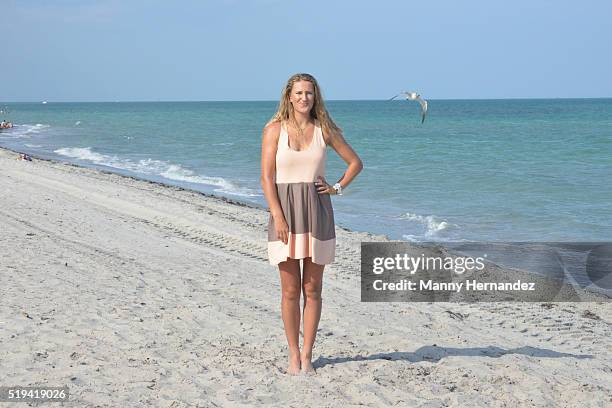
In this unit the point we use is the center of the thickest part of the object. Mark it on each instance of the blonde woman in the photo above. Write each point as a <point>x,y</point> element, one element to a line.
<point>301,223</point>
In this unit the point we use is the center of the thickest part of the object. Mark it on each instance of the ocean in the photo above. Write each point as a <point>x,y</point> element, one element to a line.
<point>476,170</point>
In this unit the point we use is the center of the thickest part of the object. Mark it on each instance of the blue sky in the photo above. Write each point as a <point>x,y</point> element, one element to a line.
<point>110,50</point>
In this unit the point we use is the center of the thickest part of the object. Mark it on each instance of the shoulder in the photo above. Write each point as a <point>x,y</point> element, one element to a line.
<point>332,137</point>
<point>271,132</point>
<point>273,126</point>
<point>272,129</point>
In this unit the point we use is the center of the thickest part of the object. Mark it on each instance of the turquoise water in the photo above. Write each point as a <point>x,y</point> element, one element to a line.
<point>502,170</point>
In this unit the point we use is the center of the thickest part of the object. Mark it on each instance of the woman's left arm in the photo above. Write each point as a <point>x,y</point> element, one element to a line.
<point>355,165</point>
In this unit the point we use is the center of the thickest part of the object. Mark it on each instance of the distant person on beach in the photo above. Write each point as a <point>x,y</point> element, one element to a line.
<point>301,225</point>
<point>5,125</point>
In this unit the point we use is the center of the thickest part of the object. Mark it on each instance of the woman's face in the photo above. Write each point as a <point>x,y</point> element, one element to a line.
<point>302,96</point>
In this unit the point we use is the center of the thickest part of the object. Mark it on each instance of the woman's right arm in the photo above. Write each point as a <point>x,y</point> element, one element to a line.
<point>269,145</point>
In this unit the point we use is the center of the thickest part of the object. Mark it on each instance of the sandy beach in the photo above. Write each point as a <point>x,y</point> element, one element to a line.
<point>134,293</point>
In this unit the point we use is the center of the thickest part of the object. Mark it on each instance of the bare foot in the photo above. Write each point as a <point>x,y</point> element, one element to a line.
<point>307,367</point>
<point>294,365</point>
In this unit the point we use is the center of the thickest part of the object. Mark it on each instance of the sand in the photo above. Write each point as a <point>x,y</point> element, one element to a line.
<point>133,293</point>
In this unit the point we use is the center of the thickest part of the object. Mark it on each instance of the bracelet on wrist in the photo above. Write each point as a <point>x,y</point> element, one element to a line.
<point>338,188</point>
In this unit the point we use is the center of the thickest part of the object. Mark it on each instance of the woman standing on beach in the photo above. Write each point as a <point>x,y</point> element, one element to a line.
<point>301,223</point>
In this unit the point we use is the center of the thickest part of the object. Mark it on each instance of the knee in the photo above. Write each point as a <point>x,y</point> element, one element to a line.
<point>312,291</point>
<point>291,293</point>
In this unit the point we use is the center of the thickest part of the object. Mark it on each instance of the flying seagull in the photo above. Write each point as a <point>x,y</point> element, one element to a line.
<point>413,96</point>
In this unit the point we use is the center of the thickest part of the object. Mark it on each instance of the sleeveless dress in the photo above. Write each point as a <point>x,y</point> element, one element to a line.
<point>309,215</point>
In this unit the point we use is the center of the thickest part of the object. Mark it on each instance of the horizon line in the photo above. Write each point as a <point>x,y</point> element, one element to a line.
<point>276,100</point>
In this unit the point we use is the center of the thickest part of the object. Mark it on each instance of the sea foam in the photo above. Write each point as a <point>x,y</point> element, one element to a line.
<point>24,131</point>
<point>170,171</point>
<point>434,227</point>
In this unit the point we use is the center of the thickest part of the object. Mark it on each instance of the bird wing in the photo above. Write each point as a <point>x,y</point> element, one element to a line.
<point>423,104</point>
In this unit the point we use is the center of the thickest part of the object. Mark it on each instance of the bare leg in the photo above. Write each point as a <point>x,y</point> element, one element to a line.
<point>290,310</point>
<point>312,285</point>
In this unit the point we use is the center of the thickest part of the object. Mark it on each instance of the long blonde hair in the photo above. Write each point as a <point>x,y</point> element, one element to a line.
<point>318,111</point>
